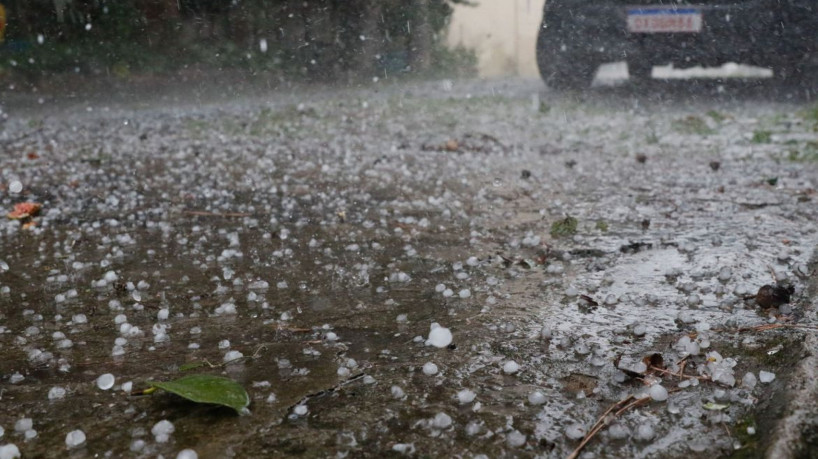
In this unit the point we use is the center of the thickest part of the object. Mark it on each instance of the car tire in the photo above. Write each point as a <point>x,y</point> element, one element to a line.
<point>562,62</point>
<point>640,71</point>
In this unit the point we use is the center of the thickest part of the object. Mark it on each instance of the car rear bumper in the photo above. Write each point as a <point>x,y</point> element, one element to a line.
<point>744,31</point>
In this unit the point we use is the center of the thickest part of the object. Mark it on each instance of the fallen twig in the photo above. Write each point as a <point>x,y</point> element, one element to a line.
<point>602,422</point>
<point>202,213</point>
<point>765,327</point>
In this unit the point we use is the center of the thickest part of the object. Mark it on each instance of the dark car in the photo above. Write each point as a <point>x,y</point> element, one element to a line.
<point>578,35</point>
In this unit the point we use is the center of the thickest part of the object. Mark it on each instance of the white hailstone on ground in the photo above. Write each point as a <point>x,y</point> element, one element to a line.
<point>106,381</point>
<point>546,332</point>
<point>343,372</point>
<point>439,288</point>
<point>56,393</point>
<point>645,432</point>
<point>15,187</point>
<point>187,454</point>
<point>536,398</point>
<point>300,410</point>
<point>439,337</point>
<point>766,377</point>
<point>465,293</point>
<point>448,293</point>
<point>397,392</point>
<point>9,451</point>
<point>163,314</point>
<point>404,448</point>
<point>466,396</point>
<point>224,344</point>
<point>515,439</point>
<point>16,378</point>
<point>658,393</point>
<point>574,432</point>
<point>162,430</point>
<point>126,387</point>
<point>725,274</point>
<point>618,431</point>
<point>749,380</point>
<point>429,368</point>
<point>232,355</point>
<point>23,425</point>
<point>74,438</point>
<point>571,292</point>
<point>639,330</point>
<point>137,445</point>
<point>402,318</point>
<point>693,299</point>
<point>441,421</point>
<point>511,367</point>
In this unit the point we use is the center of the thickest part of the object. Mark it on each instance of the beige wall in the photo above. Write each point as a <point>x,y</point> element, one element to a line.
<point>503,33</point>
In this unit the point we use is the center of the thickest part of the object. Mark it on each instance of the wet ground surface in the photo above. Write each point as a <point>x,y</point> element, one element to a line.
<point>320,233</point>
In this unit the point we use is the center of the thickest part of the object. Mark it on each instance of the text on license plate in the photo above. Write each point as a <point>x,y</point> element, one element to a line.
<point>664,20</point>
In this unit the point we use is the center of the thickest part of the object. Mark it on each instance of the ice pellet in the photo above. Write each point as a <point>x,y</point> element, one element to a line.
<point>232,355</point>
<point>9,451</point>
<point>441,421</point>
<point>397,392</point>
<point>15,187</point>
<point>74,438</point>
<point>466,396</point>
<point>56,393</point>
<point>511,367</point>
<point>658,393</point>
<point>187,454</point>
<point>749,380</point>
<point>618,431</point>
<point>574,432</point>
<point>429,368</point>
<point>645,432</point>
<point>766,376</point>
<point>515,439</point>
<point>536,398</point>
<point>106,381</point>
<point>162,430</point>
<point>23,424</point>
<point>439,337</point>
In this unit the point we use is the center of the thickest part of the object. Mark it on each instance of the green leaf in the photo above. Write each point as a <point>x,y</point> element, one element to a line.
<point>191,366</point>
<point>208,389</point>
<point>564,227</point>
<point>714,406</point>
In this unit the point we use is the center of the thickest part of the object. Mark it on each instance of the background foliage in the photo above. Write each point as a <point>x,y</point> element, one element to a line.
<point>313,39</point>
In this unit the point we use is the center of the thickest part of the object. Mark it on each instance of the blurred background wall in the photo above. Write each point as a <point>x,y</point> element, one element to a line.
<point>503,34</point>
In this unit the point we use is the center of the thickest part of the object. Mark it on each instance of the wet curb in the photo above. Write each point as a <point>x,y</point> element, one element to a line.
<point>790,437</point>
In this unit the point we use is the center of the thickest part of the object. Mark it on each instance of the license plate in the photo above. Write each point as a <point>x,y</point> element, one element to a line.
<point>664,20</point>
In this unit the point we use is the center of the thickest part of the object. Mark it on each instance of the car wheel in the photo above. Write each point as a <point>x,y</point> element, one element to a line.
<point>563,63</point>
<point>640,70</point>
